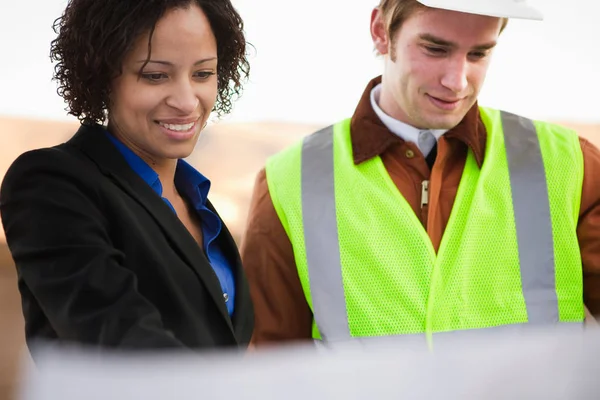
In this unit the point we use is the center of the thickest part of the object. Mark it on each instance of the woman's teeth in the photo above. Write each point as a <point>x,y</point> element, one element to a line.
<point>179,128</point>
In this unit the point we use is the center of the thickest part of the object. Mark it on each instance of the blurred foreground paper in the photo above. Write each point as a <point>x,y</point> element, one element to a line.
<point>535,365</point>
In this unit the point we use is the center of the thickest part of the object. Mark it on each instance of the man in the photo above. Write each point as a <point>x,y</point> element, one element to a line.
<point>425,212</point>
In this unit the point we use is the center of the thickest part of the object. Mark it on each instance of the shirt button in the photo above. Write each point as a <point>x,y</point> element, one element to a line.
<point>226,297</point>
<point>409,153</point>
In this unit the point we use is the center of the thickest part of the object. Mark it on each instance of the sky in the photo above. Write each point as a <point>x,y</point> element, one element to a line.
<point>312,59</point>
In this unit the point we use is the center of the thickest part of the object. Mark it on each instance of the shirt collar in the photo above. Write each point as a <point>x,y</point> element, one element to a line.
<point>404,131</point>
<point>139,166</point>
<point>192,182</point>
<point>371,138</point>
<point>187,178</point>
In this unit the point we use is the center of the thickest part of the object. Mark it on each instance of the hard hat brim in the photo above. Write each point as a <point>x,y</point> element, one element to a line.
<point>492,8</point>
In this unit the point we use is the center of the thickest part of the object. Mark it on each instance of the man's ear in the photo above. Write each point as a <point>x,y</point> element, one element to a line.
<point>379,32</point>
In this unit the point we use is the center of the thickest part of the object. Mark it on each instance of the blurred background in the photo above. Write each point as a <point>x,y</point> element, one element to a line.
<point>307,71</point>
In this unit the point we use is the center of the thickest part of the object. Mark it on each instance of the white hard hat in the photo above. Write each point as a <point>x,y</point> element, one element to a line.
<point>493,8</point>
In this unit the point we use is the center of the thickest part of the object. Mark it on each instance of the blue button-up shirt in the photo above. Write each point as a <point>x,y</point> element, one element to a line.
<point>195,186</point>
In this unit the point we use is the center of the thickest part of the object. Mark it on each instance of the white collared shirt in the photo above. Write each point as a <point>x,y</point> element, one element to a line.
<point>425,139</point>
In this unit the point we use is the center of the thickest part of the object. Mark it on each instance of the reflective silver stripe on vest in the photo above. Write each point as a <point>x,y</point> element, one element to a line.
<point>532,220</point>
<point>323,255</point>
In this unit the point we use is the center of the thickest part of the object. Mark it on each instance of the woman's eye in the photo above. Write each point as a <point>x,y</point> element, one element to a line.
<point>203,74</point>
<point>154,77</point>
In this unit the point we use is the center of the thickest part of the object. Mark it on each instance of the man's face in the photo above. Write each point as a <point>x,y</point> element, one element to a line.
<point>435,65</point>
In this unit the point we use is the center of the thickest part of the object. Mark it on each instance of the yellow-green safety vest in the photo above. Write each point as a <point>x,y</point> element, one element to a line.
<point>509,255</point>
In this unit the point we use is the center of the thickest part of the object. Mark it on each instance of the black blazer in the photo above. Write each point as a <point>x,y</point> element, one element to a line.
<point>103,260</point>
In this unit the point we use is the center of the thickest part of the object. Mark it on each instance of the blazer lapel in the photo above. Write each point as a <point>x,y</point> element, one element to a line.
<point>243,316</point>
<point>92,141</point>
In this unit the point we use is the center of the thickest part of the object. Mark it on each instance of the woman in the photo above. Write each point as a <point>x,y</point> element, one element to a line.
<point>114,240</point>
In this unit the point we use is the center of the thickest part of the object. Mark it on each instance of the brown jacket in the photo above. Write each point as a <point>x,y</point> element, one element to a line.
<point>282,312</point>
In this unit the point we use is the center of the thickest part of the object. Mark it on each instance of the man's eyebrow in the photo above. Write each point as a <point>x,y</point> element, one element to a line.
<point>445,43</point>
<point>485,46</point>
<point>436,40</point>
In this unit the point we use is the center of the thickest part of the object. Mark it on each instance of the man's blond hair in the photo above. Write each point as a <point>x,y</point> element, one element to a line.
<point>396,12</point>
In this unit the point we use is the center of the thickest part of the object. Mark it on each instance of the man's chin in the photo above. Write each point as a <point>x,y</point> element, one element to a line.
<point>446,121</point>
<point>440,123</point>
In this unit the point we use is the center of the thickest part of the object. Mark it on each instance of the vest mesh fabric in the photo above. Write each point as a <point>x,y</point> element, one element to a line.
<point>393,281</point>
<point>563,162</point>
<point>386,291</point>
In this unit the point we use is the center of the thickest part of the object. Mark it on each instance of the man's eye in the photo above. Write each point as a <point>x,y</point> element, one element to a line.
<point>435,50</point>
<point>478,55</point>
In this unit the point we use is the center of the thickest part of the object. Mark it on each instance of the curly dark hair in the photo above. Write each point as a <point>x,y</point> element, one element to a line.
<point>94,37</point>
